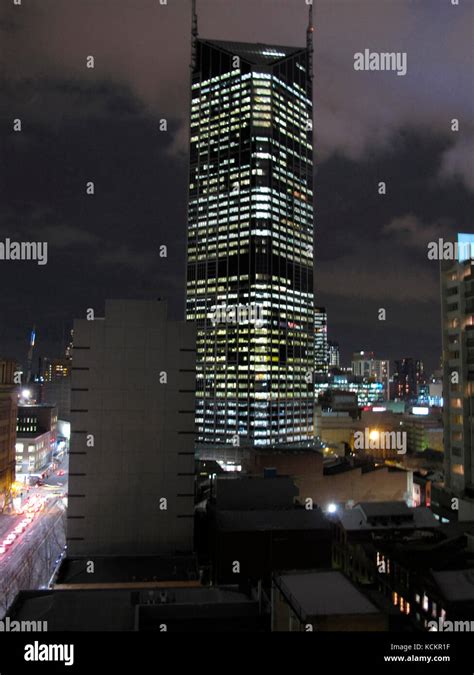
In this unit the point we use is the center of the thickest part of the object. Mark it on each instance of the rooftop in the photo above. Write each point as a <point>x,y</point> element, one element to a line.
<point>386,515</point>
<point>123,569</point>
<point>255,53</point>
<point>224,608</point>
<point>456,585</point>
<point>275,519</point>
<point>323,593</point>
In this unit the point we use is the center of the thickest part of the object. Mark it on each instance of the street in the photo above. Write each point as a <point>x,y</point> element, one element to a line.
<point>30,559</point>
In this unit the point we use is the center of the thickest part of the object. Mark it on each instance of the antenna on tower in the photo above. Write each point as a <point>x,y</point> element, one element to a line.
<point>30,354</point>
<point>194,35</point>
<point>309,40</point>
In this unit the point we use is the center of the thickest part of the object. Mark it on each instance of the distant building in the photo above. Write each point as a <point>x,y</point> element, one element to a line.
<point>321,354</point>
<point>407,378</point>
<point>8,415</point>
<point>457,298</point>
<point>364,364</point>
<point>367,391</point>
<point>338,400</point>
<point>338,424</point>
<point>55,369</point>
<point>131,468</point>
<point>334,481</point>
<point>333,354</point>
<point>36,433</point>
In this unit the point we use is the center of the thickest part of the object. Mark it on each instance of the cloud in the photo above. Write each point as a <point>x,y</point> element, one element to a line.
<point>410,231</point>
<point>124,257</point>
<point>67,236</point>
<point>458,161</point>
<point>145,48</point>
<point>378,273</point>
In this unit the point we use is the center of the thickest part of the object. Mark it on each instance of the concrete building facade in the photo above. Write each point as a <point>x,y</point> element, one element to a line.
<point>131,479</point>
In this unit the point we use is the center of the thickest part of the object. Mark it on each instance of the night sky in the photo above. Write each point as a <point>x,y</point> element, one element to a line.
<point>102,125</point>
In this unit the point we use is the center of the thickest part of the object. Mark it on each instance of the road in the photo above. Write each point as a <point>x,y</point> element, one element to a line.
<point>29,562</point>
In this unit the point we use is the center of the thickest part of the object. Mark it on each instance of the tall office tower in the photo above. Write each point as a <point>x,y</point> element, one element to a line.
<point>8,414</point>
<point>250,240</point>
<point>321,358</point>
<point>408,375</point>
<point>131,479</point>
<point>333,354</point>
<point>364,364</point>
<point>457,303</point>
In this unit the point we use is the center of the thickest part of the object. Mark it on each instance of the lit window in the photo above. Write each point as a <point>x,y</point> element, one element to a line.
<point>426,602</point>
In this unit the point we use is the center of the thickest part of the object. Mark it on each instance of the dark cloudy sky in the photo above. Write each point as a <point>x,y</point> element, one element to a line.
<point>101,125</point>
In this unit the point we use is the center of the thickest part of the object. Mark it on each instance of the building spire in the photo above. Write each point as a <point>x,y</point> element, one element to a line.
<point>309,39</point>
<point>194,34</point>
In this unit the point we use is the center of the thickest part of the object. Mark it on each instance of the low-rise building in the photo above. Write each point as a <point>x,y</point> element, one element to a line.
<point>322,600</point>
<point>36,437</point>
<point>8,415</point>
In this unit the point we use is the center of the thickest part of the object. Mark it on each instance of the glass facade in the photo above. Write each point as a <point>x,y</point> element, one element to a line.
<point>250,241</point>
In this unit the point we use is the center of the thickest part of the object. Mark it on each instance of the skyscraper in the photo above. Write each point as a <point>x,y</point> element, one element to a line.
<point>457,303</point>
<point>250,240</point>
<point>321,356</point>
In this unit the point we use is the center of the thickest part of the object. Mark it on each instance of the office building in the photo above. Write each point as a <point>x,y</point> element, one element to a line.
<point>364,364</point>
<point>36,436</point>
<point>250,240</point>
<point>368,391</point>
<point>131,469</point>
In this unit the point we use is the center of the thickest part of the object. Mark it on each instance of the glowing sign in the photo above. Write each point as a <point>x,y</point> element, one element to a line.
<point>420,410</point>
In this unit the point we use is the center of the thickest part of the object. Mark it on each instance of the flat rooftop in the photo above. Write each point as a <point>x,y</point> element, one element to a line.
<point>127,569</point>
<point>386,515</point>
<point>323,593</point>
<point>272,519</point>
<point>128,610</point>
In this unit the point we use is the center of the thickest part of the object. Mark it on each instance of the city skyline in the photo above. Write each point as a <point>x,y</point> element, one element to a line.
<point>234,251</point>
